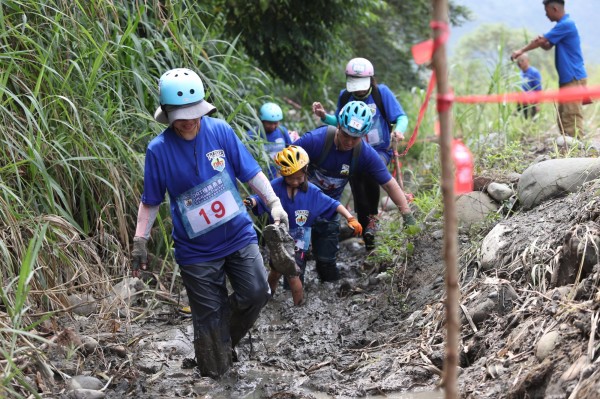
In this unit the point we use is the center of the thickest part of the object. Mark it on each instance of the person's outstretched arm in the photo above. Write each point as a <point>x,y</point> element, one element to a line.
<point>326,118</point>
<point>539,41</point>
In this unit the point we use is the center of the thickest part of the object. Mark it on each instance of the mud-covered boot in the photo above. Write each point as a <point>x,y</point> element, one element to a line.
<point>327,271</point>
<point>281,249</point>
<point>213,356</point>
<point>369,234</point>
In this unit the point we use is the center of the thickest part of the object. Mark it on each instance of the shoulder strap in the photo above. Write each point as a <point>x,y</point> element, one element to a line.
<point>379,104</point>
<point>328,143</point>
<point>344,98</point>
<point>355,156</point>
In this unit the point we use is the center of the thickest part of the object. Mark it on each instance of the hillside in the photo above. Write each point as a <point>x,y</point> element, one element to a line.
<point>530,15</point>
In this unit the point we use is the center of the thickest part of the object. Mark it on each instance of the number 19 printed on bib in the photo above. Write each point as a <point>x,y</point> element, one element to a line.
<point>209,205</point>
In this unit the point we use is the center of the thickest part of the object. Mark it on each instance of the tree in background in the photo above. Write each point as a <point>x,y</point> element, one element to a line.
<point>297,40</point>
<point>388,41</point>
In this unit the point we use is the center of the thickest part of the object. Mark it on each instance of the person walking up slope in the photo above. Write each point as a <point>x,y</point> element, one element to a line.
<point>305,203</point>
<point>387,111</point>
<point>336,154</point>
<point>276,135</point>
<point>196,160</point>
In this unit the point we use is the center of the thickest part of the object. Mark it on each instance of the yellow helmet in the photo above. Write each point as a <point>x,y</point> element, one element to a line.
<point>291,159</point>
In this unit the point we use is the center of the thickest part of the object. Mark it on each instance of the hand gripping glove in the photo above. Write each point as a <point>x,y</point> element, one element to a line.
<point>248,203</point>
<point>354,225</point>
<point>278,214</point>
<point>139,256</point>
<point>409,219</point>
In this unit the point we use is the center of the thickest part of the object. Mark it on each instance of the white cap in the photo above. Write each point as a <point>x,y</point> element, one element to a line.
<point>355,83</point>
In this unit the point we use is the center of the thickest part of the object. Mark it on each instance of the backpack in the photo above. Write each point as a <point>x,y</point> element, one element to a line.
<point>329,143</point>
<point>345,97</point>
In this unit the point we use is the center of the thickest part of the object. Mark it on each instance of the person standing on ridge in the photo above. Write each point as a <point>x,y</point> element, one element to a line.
<point>336,154</point>
<point>387,111</point>
<point>275,136</point>
<point>196,160</point>
<point>568,59</point>
<point>304,203</point>
<point>531,81</point>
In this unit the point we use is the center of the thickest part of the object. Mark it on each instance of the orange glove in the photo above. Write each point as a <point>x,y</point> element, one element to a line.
<point>354,225</point>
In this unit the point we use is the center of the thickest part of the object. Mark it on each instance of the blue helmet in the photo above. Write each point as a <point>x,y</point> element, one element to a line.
<point>270,112</point>
<point>356,118</point>
<point>180,86</point>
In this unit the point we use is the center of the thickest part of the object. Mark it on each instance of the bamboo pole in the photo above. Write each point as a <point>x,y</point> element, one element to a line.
<point>440,13</point>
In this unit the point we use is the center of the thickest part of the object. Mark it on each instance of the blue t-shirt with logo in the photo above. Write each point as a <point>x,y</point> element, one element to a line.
<point>275,141</point>
<point>209,218</point>
<point>567,54</point>
<point>333,174</point>
<point>379,136</point>
<point>302,210</point>
<point>532,79</point>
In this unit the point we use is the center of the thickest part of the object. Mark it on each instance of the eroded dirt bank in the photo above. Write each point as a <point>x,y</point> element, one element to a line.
<point>381,333</point>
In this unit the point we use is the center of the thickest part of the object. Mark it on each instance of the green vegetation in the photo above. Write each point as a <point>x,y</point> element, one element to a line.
<point>77,94</point>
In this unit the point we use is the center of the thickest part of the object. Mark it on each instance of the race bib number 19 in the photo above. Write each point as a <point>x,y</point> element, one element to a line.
<point>209,205</point>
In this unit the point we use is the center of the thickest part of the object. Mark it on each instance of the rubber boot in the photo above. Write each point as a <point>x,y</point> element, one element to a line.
<point>369,233</point>
<point>273,281</point>
<point>327,271</point>
<point>297,290</point>
<point>213,355</point>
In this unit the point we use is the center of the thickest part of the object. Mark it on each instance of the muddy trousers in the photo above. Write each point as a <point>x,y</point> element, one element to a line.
<point>365,191</point>
<point>570,115</point>
<point>325,238</point>
<point>221,321</point>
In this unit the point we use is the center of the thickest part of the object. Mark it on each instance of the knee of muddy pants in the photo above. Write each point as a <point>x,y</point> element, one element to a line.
<point>325,239</point>
<point>327,271</point>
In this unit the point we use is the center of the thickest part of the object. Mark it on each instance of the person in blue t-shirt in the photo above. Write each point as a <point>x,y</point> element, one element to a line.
<point>336,154</point>
<point>274,135</point>
<point>531,81</point>
<point>196,160</point>
<point>568,59</point>
<point>305,203</point>
<point>387,111</point>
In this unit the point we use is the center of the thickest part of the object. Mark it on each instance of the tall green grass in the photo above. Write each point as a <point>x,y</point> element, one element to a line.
<point>77,92</point>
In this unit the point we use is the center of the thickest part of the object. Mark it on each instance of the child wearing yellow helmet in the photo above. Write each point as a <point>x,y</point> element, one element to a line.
<point>305,203</point>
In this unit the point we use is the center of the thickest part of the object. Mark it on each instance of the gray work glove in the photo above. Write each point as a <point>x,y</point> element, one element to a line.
<point>278,214</point>
<point>139,256</point>
<point>409,219</point>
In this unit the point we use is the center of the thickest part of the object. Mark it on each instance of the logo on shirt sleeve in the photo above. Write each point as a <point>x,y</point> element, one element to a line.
<point>217,159</point>
<point>301,217</point>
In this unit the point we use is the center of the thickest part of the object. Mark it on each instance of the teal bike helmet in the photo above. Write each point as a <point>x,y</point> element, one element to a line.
<point>181,96</point>
<point>270,112</point>
<point>180,86</point>
<point>356,118</point>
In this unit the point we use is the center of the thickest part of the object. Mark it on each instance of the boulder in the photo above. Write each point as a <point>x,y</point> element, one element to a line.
<point>83,304</point>
<point>474,207</point>
<point>553,178</point>
<point>492,244</point>
<point>499,191</point>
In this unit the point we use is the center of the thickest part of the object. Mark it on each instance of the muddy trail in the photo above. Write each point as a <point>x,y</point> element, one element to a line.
<point>379,332</point>
<point>352,338</point>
